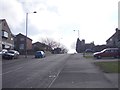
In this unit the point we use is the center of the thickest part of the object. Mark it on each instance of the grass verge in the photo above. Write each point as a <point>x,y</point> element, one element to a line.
<point>88,55</point>
<point>109,67</point>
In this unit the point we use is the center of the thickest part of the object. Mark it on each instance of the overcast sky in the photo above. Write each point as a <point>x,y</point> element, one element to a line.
<point>96,20</point>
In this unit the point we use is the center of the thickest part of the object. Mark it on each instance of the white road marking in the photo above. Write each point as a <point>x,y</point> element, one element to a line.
<point>54,79</point>
<point>56,76</point>
<point>11,71</point>
<point>16,69</point>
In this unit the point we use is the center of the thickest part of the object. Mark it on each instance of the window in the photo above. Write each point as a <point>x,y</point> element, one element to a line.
<point>11,38</point>
<point>5,34</point>
<point>112,51</point>
<point>21,46</point>
<point>4,24</point>
<point>21,39</point>
<point>107,51</point>
<point>111,39</point>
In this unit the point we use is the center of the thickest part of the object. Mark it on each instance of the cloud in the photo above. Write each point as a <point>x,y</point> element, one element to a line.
<point>12,12</point>
<point>95,19</point>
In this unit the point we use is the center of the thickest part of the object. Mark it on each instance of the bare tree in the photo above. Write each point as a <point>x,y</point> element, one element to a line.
<point>54,44</point>
<point>50,42</point>
<point>64,49</point>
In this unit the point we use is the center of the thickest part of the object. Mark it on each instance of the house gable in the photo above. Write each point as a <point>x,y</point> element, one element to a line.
<point>7,36</point>
<point>114,40</point>
<point>5,26</point>
<point>21,35</point>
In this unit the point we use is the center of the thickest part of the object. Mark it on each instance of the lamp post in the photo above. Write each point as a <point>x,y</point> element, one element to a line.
<point>26,33</point>
<point>78,32</point>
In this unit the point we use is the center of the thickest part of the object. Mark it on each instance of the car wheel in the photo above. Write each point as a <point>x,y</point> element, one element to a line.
<point>99,57</point>
<point>12,57</point>
<point>116,56</point>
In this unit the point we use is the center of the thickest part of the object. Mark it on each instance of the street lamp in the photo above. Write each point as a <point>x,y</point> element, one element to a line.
<point>78,32</point>
<point>26,33</point>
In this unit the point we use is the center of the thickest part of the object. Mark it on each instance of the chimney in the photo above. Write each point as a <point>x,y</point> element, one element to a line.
<point>116,29</point>
<point>83,41</point>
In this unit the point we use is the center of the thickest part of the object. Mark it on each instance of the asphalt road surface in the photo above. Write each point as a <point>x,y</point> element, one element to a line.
<point>56,71</point>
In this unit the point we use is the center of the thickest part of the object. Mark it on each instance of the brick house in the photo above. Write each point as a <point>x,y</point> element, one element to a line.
<point>41,46</point>
<point>7,36</point>
<point>20,43</point>
<point>114,40</point>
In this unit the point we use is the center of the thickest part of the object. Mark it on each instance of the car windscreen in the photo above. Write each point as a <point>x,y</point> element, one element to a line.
<point>38,53</point>
<point>10,52</point>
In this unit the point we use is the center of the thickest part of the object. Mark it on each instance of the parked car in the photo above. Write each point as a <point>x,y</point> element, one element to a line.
<point>89,51</point>
<point>3,51</point>
<point>16,53</point>
<point>7,55</point>
<point>39,54</point>
<point>108,52</point>
<point>11,54</point>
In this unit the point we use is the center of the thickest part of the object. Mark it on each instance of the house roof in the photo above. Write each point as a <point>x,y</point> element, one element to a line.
<point>23,36</point>
<point>38,43</point>
<point>4,21</point>
<point>116,33</point>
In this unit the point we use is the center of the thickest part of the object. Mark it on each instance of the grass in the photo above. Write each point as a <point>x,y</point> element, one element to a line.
<point>109,67</point>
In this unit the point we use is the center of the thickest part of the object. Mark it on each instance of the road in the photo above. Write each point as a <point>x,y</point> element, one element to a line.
<point>32,73</point>
<point>56,71</point>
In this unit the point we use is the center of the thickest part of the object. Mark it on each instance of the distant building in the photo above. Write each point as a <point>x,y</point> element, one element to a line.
<point>114,40</point>
<point>20,43</point>
<point>89,46</point>
<point>98,48</point>
<point>41,46</point>
<point>81,46</point>
<point>57,51</point>
<point>7,36</point>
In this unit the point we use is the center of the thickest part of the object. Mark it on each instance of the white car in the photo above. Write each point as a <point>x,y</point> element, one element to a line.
<point>3,51</point>
<point>15,53</point>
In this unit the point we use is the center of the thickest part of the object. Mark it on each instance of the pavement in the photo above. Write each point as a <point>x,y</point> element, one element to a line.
<point>80,72</point>
<point>113,78</point>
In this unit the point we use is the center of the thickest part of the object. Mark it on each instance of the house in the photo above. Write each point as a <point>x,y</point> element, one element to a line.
<point>7,36</point>
<point>98,48</point>
<point>114,40</point>
<point>41,46</point>
<point>20,43</point>
<point>57,51</point>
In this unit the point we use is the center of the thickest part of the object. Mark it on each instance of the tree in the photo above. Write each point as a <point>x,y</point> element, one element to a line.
<point>78,45</point>
<point>63,49</point>
<point>54,44</point>
<point>50,42</point>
